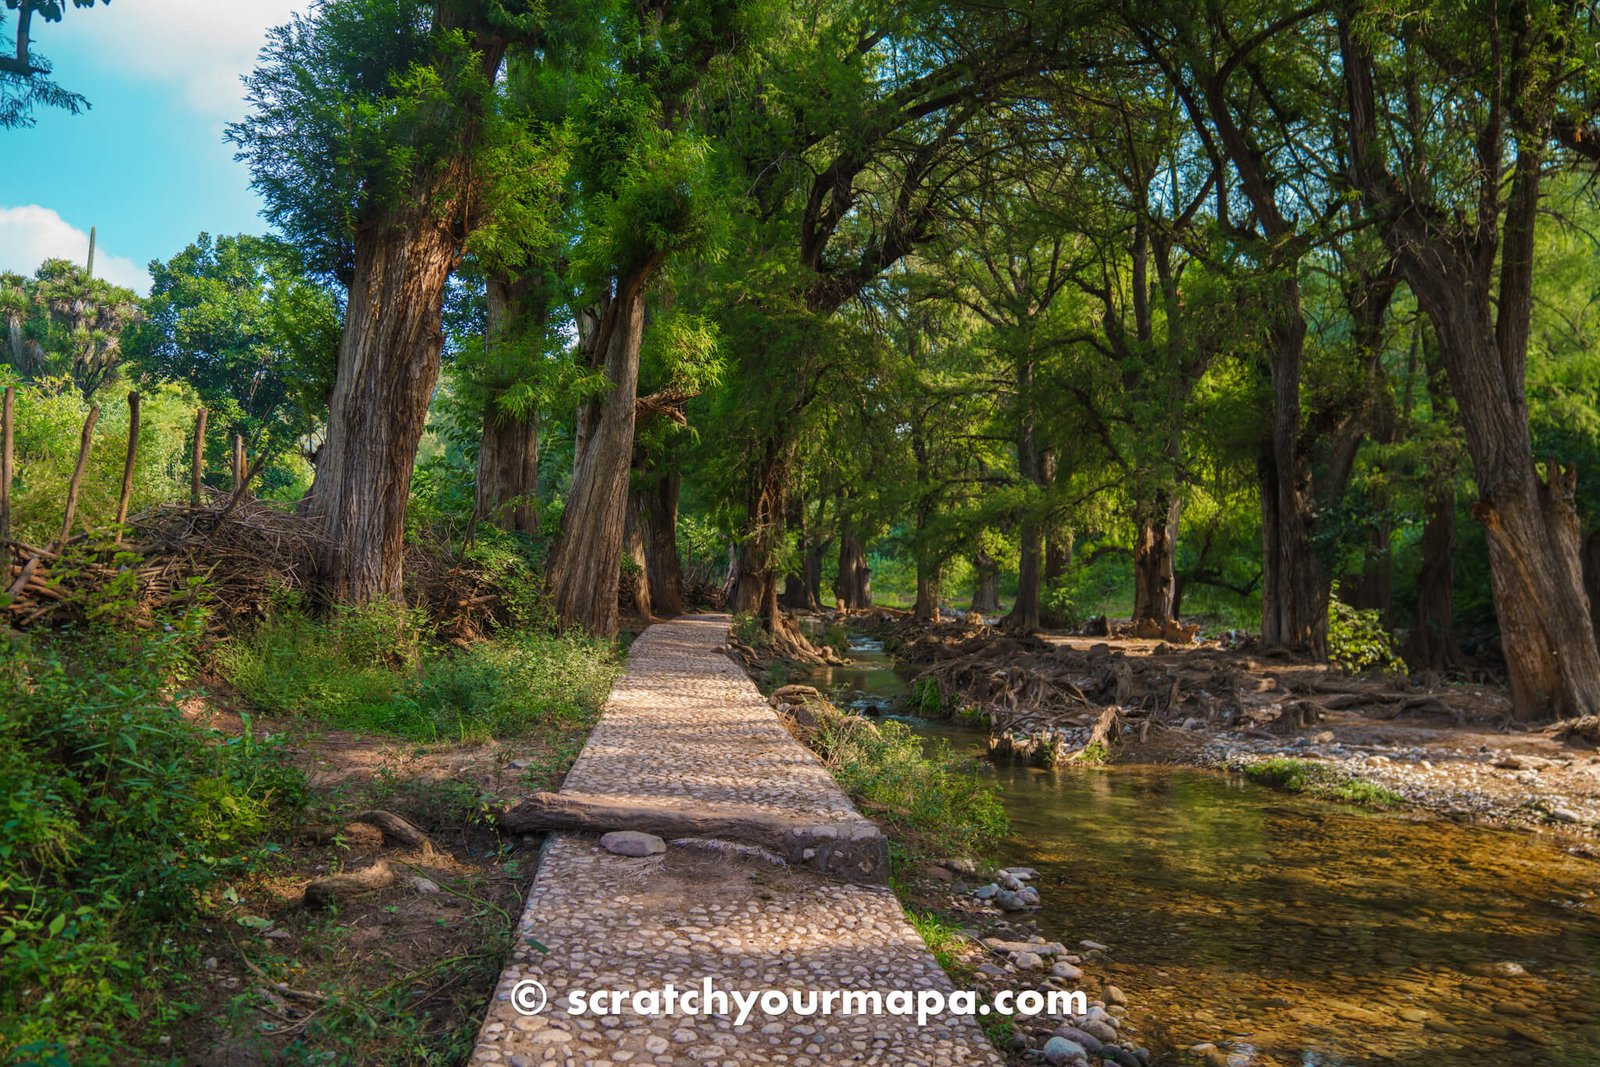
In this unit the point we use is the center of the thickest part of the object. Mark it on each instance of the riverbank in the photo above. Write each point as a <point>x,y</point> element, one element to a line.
<point>1443,749</point>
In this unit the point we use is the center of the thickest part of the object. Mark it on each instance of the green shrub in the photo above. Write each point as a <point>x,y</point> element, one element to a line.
<point>372,670</point>
<point>931,797</point>
<point>1315,779</point>
<point>1357,639</point>
<point>119,814</point>
<point>747,629</point>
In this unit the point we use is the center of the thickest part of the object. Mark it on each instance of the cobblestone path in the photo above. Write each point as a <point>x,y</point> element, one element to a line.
<point>685,723</point>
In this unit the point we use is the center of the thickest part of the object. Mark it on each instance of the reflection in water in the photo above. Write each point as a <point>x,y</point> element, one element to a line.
<point>1297,931</point>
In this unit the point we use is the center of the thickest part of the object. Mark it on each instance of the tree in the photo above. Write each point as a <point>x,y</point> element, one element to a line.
<point>1456,196</point>
<point>64,322</point>
<point>373,137</point>
<point>25,75</point>
<point>238,318</point>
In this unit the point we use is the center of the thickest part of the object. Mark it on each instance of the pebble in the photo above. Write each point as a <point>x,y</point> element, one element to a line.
<point>1115,995</point>
<point>1093,946</point>
<point>632,843</point>
<point>424,885</point>
<point>1067,971</point>
<point>1565,815</point>
<point>1028,961</point>
<point>1060,1050</point>
<point>986,892</point>
<point>1088,1041</point>
<point>1006,900</point>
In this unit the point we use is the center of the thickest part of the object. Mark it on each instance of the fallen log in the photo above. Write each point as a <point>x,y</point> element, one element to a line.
<point>853,850</point>
<point>394,828</point>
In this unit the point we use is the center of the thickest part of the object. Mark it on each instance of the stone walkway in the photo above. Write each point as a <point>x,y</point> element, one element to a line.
<point>685,723</point>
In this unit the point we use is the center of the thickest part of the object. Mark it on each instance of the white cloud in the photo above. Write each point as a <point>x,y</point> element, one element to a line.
<point>200,46</point>
<point>32,234</point>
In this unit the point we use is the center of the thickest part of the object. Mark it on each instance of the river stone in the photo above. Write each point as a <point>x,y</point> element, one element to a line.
<point>1120,1056</point>
<point>1027,961</point>
<point>986,892</point>
<point>1059,1050</point>
<point>1509,969</point>
<point>1029,895</point>
<point>1093,946</point>
<point>1067,971</point>
<point>1087,1040</point>
<point>1565,815</point>
<point>1115,995</point>
<point>1006,900</point>
<point>632,843</point>
<point>1009,881</point>
<point>1024,873</point>
<point>424,885</point>
<point>1098,1028</point>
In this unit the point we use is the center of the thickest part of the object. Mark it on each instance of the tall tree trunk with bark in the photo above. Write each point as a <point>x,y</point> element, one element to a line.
<point>388,364</point>
<point>659,526</point>
<point>634,589</point>
<point>1033,465</point>
<point>854,583</point>
<point>508,451</point>
<point>1155,550</point>
<point>586,565</point>
<point>985,584</point>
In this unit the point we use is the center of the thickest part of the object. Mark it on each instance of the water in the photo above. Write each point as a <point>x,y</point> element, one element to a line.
<point>1292,930</point>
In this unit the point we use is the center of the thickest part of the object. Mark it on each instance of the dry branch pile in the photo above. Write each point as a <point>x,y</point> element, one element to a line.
<point>246,554</point>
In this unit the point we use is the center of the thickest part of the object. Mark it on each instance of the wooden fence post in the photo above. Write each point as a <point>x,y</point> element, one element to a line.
<point>199,461</point>
<point>127,467</point>
<point>77,474</point>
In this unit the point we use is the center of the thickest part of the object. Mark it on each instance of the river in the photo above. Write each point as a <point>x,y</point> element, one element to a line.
<point>1293,931</point>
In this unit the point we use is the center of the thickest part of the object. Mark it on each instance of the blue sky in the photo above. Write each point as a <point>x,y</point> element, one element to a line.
<point>146,166</point>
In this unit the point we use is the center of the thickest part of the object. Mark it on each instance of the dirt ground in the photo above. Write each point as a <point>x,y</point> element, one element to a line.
<point>399,974</point>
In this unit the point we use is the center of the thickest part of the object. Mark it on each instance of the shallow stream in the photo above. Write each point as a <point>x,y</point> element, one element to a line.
<point>1293,931</point>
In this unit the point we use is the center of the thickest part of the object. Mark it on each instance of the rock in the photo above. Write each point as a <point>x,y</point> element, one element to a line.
<point>1009,881</point>
<point>1204,1048</point>
<point>632,843</point>
<point>1027,961</point>
<point>1067,971</point>
<point>1091,1043</point>
<point>1023,873</point>
<point>1029,896</point>
<point>1006,900</point>
<point>1059,1050</point>
<point>424,885</point>
<point>960,865</point>
<point>1099,1029</point>
<point>210,963</point>
<point>1566,815</point>
<point>986,892</point>
<point>1508,969</point>
<point>1115,995</point>
<point>1120,1056</point>
<point>990,969</point>
<point>277,935</point>
<point>1412,1015</point>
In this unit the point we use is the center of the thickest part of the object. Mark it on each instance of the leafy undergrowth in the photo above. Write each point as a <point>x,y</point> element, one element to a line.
<point>373,669</point>
<point>151,864</point>
<point>928,798</point>
<point>1313,779</point>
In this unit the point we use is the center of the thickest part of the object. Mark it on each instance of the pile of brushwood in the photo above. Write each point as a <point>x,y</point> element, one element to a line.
<point>236,556</point>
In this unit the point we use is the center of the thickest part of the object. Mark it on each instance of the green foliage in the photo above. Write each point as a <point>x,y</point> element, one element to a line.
<point>119,815</point>
<point>1318,780</point>
<point>747,629</point>
<point>943,938</point>
<point>238,319</point>
<point>931,796</point>
<point>1357,639</point>
<point>49,425</point>
<point>63,323</point>
<point>373,669</point>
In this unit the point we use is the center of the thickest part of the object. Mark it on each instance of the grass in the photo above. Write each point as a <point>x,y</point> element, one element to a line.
<point>373,671</point>
<point>942,939</point>
<point>930,800</point>
<point>1317,780</point>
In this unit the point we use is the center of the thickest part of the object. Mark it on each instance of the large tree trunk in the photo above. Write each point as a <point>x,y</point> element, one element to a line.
<point>1155,551</point>
<point>926,608</point>
<point>387,367</point>
<point>1432,644</point>
<point>854,583</point>
<point>586,564</point>
<point>985,584</point>
<point>659,526</point>
<point>634,589</point>
<point>1024,614</point>
<point>1294,591</point>
<point>508,451</point>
